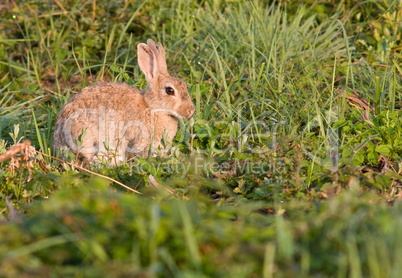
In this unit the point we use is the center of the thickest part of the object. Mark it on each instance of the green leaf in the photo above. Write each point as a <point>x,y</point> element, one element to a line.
<point>383,180</point>
<point>346,153</point>
<point>383,149</point>
<point>115,68</point>
<point>373,157</point>
<point>358,159</point>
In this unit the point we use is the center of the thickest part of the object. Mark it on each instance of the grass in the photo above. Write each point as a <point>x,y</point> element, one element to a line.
<point>291,165</point>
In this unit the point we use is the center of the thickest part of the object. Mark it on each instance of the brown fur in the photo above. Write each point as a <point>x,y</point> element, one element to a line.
<point>123,117</point>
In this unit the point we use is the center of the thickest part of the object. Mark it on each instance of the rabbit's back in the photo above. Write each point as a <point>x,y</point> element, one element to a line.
<point>111,95</point>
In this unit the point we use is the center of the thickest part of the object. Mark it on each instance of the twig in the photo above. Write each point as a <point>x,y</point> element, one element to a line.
<point>364,105</point>
<point>46,15</point>
<point>152,181</point>
<point>91,172</point>
<point>23,147</point>
<point>60,5</point>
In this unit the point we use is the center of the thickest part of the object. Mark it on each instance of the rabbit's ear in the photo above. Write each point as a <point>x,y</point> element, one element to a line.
<point>160,56</point>
<point>162,59</point>
<point>147,62</point>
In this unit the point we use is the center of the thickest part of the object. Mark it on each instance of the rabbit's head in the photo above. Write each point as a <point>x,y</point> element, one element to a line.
<point>165,94</point>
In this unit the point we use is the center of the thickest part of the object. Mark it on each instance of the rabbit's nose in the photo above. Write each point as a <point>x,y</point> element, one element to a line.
<point>190,111</point>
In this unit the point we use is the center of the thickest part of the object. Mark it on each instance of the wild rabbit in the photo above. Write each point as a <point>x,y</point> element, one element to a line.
<point>122,117</point>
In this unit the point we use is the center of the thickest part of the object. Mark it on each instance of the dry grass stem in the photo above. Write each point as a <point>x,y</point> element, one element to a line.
<point>27,152</point>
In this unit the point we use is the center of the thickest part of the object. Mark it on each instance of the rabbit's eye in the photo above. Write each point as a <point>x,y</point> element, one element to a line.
<point>169,91</point>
